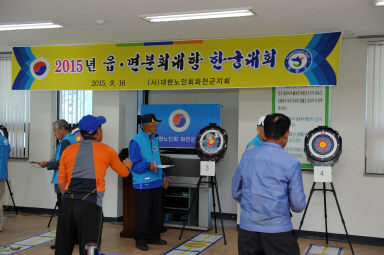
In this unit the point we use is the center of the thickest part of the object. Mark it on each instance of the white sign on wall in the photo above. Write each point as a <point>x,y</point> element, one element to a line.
<point>308,108</point>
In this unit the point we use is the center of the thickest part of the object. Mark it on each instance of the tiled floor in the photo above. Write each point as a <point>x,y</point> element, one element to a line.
<point>22,226</point>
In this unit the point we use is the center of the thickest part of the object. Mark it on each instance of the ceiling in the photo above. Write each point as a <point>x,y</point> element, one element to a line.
<point>122,23</point>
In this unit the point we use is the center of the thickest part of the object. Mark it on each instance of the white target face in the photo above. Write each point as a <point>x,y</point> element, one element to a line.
<point>211,141</point>
<point>323,144</point>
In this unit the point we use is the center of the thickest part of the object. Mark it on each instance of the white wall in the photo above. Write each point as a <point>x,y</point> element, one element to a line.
<point>117,107</point>
<point>128,117</point>
<point>106,103</point>
<point>360,196</point>
<point>228,98</point>
<point>30,184</point>
<point>127,128</point>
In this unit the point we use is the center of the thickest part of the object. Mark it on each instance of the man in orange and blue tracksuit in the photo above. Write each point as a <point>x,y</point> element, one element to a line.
<point>81,180</point>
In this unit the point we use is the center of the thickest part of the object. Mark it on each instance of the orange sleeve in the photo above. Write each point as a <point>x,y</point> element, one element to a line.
<point>116,164</point>
<point>104,156</point>
<point>62,174</point>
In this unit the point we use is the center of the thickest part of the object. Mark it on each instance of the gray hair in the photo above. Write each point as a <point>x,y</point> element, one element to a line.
<point>62,124</point>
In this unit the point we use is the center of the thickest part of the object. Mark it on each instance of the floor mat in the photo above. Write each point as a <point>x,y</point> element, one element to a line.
<point>28,243</point>
<point>195,245</point>
<point>314,249</point>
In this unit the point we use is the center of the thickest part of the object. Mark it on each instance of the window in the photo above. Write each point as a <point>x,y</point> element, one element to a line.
<point>14,110</point>
<point>374,151</point>
<point>74,104</point>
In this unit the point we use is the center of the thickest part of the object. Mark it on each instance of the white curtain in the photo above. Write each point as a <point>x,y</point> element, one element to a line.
<point>375,109</point>
<point>14,111</point>
<point>74,104</point>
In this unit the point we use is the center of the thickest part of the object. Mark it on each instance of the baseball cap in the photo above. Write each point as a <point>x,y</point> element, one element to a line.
<point>90,123</point>
<point>260,123</point>
<point>149,117</point>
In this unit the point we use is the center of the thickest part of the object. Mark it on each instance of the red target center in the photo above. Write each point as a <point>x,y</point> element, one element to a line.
<point>211,141</point>
<point>322,144</point>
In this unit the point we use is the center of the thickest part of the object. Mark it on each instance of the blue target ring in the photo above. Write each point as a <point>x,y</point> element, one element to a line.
<point>323,144</point>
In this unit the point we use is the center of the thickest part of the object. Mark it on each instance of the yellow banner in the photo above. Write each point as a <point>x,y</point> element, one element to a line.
<point>297,60</point>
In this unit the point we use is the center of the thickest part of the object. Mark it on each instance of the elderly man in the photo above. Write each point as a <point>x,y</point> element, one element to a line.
<point>147,181</point>
<point>268,184</point>
<point>62,131</point>
<point>82,181</point>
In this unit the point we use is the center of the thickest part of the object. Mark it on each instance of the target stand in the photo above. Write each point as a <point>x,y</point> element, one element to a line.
<point>323,148</point>
<point>211,145</point>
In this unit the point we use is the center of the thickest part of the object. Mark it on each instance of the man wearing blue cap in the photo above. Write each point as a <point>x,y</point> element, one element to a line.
<point>81,180</point>
<point>147,179</point>
<point>4,155</point>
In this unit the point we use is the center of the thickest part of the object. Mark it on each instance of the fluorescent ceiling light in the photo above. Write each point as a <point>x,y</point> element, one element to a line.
<point>379,2</point>
<point>6,27</point>
<point>199,15</point>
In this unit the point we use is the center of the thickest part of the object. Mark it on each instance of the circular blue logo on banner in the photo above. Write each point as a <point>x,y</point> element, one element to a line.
<point>298,61</point>
<point>179,120</point>
<point>39,68</point>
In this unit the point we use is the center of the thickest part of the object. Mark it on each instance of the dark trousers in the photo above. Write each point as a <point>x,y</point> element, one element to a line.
<point>256,243</point>
<point>148,215</point>
<point>78,219</point>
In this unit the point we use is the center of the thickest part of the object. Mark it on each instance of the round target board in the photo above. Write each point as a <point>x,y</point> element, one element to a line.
<point>3,131</point>
<point>322,144</point>
<point>76,133</point>
<point>211,143</point>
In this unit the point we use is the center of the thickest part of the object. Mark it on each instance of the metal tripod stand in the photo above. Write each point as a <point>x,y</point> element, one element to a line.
<point>213,183</point>
<point>13,201</point>
<point>324,190</point>
<point>53,212</point>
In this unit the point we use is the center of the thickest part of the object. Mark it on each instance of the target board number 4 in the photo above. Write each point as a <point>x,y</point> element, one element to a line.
<point>322,173</point>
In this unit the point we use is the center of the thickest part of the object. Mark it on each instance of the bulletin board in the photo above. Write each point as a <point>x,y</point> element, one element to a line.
<point>308,108</point>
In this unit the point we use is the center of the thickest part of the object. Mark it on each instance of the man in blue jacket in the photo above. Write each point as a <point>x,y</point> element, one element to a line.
<point>148,180</point>
<point>258,140</point>
<point>4,156</point>
<point>268,184</point>
<point>62,131</point>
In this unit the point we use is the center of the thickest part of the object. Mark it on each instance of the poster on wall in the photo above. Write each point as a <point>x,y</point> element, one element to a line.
<point>293,60</point>
<point>308,108</point>
<point>182,122</point>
